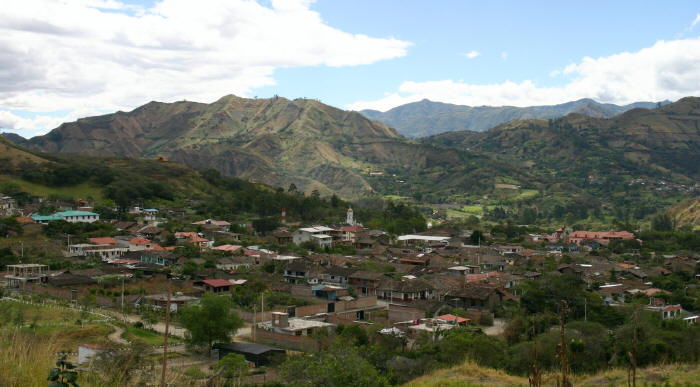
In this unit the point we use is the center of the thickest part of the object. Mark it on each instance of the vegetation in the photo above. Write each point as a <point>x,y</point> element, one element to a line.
<point>211,320</point>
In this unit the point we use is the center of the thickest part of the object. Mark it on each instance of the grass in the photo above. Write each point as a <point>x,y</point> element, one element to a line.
<point>144,336</point>
<point>79,191</point>
<point>470,374</point>
<point>527,193</point>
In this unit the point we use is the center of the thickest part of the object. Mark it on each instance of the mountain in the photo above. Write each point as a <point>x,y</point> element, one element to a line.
<point>14,138</point>
<point>653,144</point>
<point>426,118</point>
<point>274,141</point>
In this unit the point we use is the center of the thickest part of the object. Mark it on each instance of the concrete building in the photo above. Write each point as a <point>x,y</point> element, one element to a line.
<point>26,272</point>
<point>320,235</point>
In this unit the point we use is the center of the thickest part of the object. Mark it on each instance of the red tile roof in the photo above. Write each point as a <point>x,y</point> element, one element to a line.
<point>103,241</point>
<point>227,248</point>
<point>217,283</point>
<point>451,317</point>
<point>140,241</point>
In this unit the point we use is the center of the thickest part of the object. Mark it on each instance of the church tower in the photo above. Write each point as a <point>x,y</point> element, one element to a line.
<point>350,219</point>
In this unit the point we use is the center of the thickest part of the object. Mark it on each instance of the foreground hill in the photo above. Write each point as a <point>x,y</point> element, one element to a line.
<point>427,118</point>
<point>470,374</point>
<point>274,141</point>
<point>662,143</point>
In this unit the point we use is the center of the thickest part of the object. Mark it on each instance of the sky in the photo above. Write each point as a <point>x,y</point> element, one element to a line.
<point>65,59</point>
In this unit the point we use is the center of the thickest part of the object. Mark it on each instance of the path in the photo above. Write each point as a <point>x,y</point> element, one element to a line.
<point>498,327</point>
<point>116,336</point>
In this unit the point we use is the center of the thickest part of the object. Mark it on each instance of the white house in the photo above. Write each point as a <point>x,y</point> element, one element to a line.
<point>318,234</point>
<point>425,239</point>
<point>78,216</point>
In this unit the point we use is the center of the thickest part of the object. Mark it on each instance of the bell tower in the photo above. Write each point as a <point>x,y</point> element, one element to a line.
<point>350,218</point>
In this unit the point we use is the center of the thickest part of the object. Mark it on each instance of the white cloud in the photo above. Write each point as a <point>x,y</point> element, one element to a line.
<point>504,55</point>
<point>696,21</point>
<point>471,54</point>
<point>666,70</point>
<point>105,55</point>
<point>37,124</point>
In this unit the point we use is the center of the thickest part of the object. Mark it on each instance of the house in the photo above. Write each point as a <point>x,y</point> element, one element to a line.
<point>350,233</point>
<point>45,219</point>
<point>258,354</point>
<point>476,296</point>
<point>281,323</point>
<point>212,224</point>
<point>103,252</point>
<point>103,241</point>
<point>215,285</point>
<point>455,320</point>
<point>320,235</point>
<point>365,282</point>
<point>228,248</point>
<point>150,214</point>
<point>338,275</point>
<point>176,301</point>
<point>602,238</point>
<point>406,290</point>
<point>424,240</point>
<point>464,270</point>
<point>69,279</point>
<point>140,244</point>
<point>666,311</point>
<point>78,216</point>
<point>8,206</point>
<point>25,272</point>
<point>509,249</point>
<point>282,237</point>
<point>297,272</point>
<point>232,263</point>
<point>329,292</point>
<point>159,258</point>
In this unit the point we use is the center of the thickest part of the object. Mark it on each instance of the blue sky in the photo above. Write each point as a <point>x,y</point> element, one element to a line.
<point>66,59</point>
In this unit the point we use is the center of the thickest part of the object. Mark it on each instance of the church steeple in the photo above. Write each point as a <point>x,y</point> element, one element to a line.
<point>350,218</point>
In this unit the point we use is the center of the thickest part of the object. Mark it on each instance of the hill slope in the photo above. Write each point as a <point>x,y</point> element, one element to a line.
<point>426,118</point>
<point>469,374</point>
<point>658,144</point>
<point>274,141</point>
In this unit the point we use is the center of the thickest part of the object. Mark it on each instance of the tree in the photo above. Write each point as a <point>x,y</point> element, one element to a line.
<point>232,366</point>
<point>10,226</point>
<point>662,222</point>
<point>210,321</point>
<point>340,365</point>
<point>265,225</point>
<point>63,375</point>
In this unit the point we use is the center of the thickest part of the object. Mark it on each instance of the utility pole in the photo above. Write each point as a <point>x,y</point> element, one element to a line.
<point>254,321</point>
<point>165,339</point>
<point>21,254</point>
<point>123,316</point>
<point>563,381</point>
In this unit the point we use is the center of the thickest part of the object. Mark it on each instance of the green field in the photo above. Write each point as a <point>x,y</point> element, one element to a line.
<point>144,336</point>
<point>80,191</point>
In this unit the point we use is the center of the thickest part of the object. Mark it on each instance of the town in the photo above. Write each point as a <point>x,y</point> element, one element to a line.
<point>304,287</point>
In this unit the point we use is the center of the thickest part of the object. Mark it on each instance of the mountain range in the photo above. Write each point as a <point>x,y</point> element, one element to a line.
<point>280,142</point>
<point>662,142</point>
<point>274,141</point>
<point>426,118</point>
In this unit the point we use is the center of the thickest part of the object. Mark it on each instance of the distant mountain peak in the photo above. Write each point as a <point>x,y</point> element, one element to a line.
<point>425,118</point>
